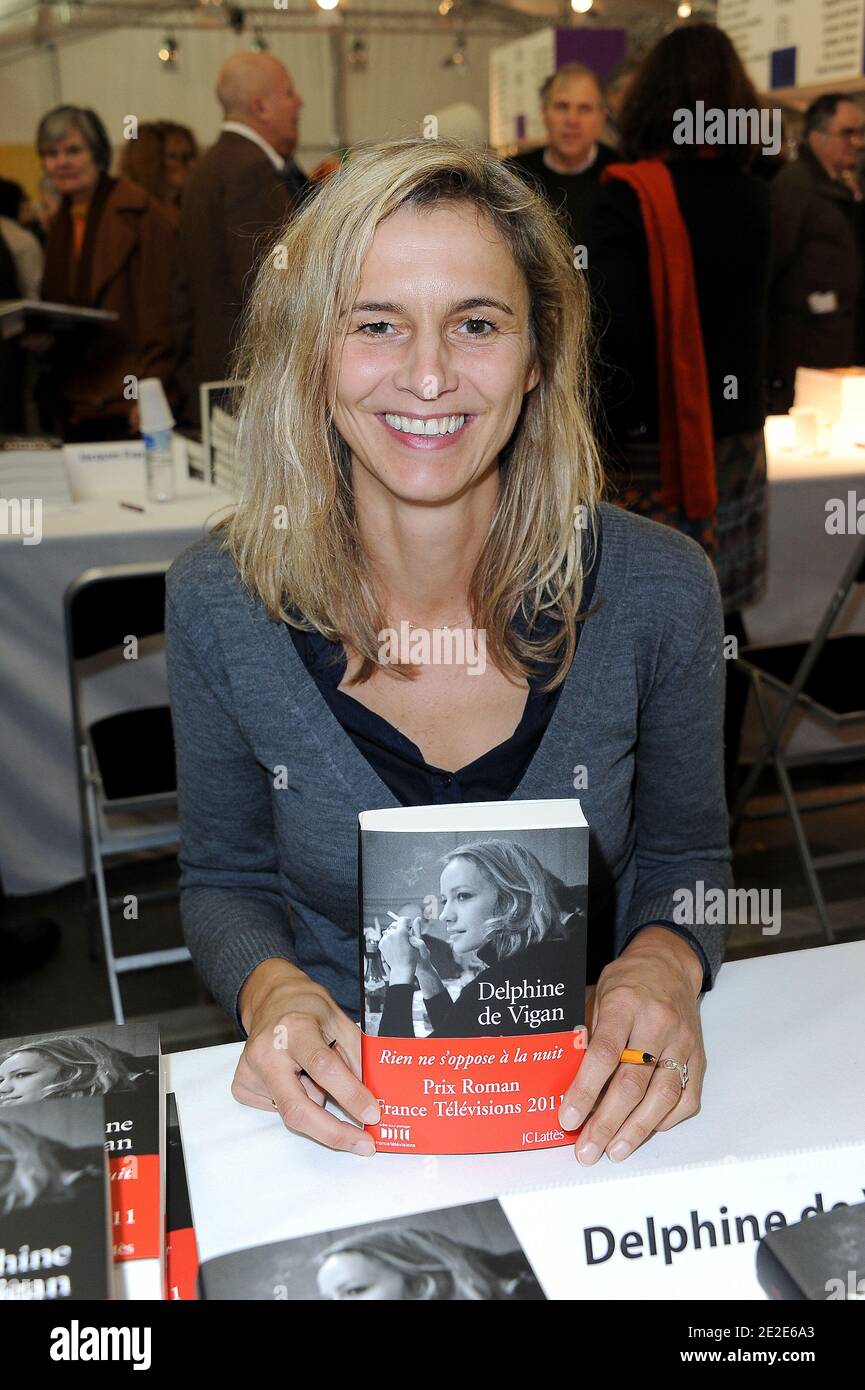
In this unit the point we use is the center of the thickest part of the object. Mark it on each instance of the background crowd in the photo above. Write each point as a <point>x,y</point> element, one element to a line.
<point>772,241</point>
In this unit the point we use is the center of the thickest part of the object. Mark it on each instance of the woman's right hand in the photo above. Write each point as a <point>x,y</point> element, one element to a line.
<point>301,1049</point>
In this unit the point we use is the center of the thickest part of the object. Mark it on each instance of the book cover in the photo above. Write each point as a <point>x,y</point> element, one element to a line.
<point>181,1249</point>
<point>473,967</point>
<point>459,1254</point>
<point>119,1062</point>
<point>54,1209</point>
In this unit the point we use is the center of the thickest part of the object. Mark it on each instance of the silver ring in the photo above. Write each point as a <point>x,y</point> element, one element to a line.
<point>681,1068</point>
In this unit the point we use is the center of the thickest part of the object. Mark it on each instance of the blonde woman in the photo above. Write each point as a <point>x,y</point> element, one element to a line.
<point>416,434</point>
<point>387,1264</point>
<point>71,1065</point>
<point>35,1170</point>
<point>497,901</point>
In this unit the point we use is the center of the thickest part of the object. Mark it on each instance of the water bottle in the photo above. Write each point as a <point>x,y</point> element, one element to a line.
<point>156,424</point>
<point>159,466</point>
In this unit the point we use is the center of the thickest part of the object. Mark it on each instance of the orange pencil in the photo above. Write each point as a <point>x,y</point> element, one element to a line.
<point>642,1059</point>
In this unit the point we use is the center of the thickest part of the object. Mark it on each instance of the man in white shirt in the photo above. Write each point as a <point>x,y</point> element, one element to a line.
<point>238,195</point>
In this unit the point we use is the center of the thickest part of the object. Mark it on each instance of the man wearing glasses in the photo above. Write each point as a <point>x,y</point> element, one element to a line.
<point>817,246</point>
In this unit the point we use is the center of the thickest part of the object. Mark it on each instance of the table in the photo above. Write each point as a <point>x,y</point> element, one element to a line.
<point>805,562</point>
<point>40,838</point>
<point>781,1080</point>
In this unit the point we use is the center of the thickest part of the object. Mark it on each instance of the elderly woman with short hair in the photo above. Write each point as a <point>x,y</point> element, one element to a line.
<point>415,431</point>
<point>110,246</point>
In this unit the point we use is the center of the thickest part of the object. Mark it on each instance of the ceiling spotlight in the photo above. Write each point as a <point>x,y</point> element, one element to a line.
<point>167,51</point>
<point>327,4</point>
<point>236,19</point>
<point>259,42</point>
<point>684,10</point>
<point>581,6</point>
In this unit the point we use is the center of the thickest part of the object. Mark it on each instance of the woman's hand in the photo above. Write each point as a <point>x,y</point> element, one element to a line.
<point>301,1049</point>
<point>404,950</point>
<point>647,999</point>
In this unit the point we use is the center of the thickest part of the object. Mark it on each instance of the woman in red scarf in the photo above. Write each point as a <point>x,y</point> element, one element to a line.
<point>678,267</point>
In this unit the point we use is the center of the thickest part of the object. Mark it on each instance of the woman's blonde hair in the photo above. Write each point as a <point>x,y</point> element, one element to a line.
<point>529,902</point>
<point>433,1267</point>
<point>293,535</point>
<point>35,1168</point>
<point>85,1066</point>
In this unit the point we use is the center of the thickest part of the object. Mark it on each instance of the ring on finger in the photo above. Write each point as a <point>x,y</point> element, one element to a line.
<point>680,1067</point>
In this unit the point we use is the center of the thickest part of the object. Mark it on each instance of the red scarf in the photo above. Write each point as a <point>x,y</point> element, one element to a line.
<point>688,477</point>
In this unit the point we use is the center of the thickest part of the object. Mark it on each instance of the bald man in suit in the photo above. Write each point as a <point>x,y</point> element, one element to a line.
<point>236,199</point>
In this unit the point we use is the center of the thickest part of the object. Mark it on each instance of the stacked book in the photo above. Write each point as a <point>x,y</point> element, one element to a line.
<point>33,469</point>
<point>88,1151</point>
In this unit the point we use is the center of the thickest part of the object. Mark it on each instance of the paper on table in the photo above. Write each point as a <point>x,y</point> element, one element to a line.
<point>777,1032</point>
<point>598,1242</point>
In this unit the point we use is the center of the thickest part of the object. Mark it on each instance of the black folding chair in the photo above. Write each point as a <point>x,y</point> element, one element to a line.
<point>825,678</point>
<point>126,773</point>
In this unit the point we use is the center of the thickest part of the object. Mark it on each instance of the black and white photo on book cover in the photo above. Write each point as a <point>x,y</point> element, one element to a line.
<point>473,933</point>
<point>106,1059</point>
<point>458,1254</point>
<point>54,1219</point>
<point>119,1062</point>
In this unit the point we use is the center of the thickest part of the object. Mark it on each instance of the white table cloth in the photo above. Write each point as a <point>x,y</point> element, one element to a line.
<point>782,1079</point>
<point>40,840</point>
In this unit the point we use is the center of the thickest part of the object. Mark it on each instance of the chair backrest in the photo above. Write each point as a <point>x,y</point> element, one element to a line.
<point>104,606</point>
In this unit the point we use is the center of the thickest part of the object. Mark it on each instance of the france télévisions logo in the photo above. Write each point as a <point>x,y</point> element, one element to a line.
<point>399,1134</point>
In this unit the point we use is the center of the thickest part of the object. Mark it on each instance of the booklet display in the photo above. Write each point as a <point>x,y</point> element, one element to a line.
<point>473,964</point>
<point>455,1255</point>
<point>54,1209</point>
<point>120,1063</point>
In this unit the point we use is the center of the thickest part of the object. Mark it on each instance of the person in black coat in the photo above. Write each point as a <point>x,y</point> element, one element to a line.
<point>512,923</point>
<point>817,234</point>
<point>725,211</point>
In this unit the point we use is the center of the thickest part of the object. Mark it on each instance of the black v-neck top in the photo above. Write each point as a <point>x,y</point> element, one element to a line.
<point>494,776</point>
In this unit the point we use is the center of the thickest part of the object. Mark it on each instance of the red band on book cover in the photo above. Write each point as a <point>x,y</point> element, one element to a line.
<point>470,1095</point>
<point>135,1206</point>
<point>181,1262</point>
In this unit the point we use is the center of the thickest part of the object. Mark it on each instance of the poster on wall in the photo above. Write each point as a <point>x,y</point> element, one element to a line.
<point>796,43</point>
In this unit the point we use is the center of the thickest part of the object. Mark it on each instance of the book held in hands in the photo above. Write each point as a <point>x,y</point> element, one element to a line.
<point>473,967</point>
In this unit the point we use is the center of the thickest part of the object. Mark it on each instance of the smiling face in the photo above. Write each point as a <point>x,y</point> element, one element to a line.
<point>24,1075</point>
<point>349,1275</point>
<point>437,357</point>
<point>468,904</point>
<point>70,166</point>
